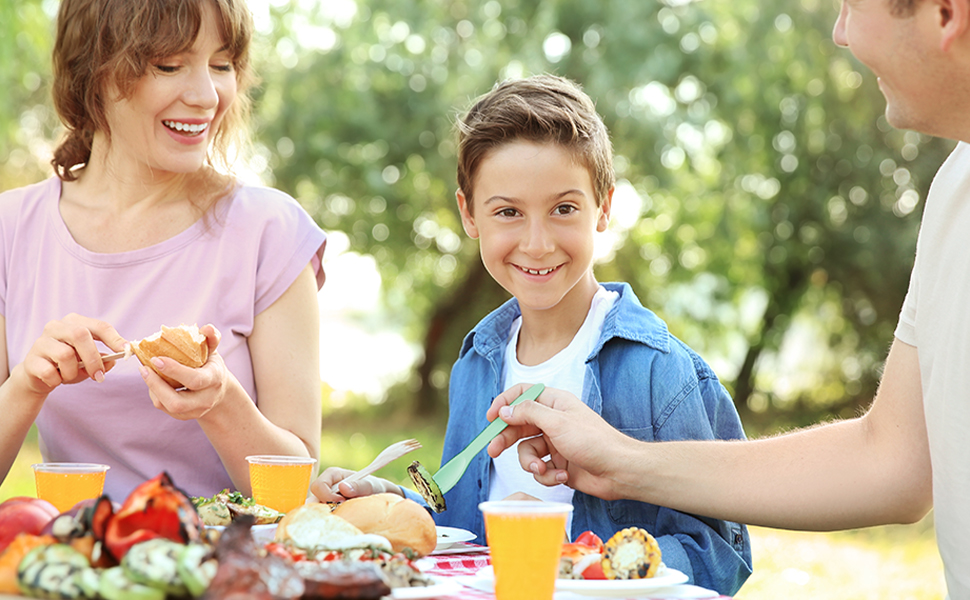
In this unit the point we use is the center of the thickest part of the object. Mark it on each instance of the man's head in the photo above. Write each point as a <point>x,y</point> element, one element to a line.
<point>920,52</point>
<point>542,108</point>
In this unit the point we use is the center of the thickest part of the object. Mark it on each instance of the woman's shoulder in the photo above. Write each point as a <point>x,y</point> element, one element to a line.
<point>29,199</point>
<point>256,204</point>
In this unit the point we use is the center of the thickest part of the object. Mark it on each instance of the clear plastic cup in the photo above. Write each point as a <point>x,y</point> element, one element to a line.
<point>525,540</point>
<point>66,484</point>
<point>280,482</point>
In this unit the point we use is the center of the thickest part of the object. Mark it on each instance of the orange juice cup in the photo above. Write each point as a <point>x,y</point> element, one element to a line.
<point>280,482</point>
<point>525,540</point>
<point>66,484</point>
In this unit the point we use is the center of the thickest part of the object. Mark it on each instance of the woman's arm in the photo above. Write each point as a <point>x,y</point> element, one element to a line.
<point>65,353</point>
<point>285,350</point>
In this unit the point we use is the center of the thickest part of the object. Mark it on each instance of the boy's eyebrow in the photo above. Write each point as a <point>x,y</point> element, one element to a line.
<point>514,200</point>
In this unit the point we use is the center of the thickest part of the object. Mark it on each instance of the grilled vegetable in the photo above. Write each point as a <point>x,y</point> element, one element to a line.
<point>197,566</point>
<point>426,486</point>
<point>48,572</point>
<point>115,585</point>
<point>88,581</point>
<point>155,563</point>
<point>631,554</point>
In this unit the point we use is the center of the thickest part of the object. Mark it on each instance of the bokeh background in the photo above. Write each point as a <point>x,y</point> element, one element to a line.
<point>765,210</point>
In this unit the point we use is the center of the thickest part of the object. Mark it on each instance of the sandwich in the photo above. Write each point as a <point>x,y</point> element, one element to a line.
<point>185,344</point>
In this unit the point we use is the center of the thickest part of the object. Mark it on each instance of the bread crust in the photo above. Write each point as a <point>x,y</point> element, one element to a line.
<point>404,522</point>
<point>185,344</point>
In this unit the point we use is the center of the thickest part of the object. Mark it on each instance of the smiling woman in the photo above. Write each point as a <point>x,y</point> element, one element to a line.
<point>145,226</point>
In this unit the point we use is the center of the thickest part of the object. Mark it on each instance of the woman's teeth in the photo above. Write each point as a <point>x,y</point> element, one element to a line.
<point>186,128</point>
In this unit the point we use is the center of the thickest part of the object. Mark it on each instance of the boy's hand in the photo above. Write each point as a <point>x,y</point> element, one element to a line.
<point>323,486</point>
<point>579,444</point>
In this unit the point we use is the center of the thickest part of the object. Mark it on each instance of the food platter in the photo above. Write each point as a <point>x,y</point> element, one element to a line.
<point>612,588</point>
<point>449,536</point>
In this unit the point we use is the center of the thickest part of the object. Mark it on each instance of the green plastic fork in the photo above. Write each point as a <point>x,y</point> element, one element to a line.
<point>448,475</point>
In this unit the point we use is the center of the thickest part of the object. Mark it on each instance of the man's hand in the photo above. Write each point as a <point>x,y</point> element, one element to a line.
<point>580,446</point>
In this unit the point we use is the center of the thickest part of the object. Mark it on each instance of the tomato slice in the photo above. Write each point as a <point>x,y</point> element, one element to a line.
<point>594,571</point>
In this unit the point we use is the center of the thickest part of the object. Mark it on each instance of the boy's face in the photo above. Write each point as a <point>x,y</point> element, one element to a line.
<point>535,216</point>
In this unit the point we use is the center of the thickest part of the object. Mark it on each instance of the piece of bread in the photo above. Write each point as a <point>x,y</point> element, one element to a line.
<point>185,344</point>
<point>404,522</point>
<point>315,527</point>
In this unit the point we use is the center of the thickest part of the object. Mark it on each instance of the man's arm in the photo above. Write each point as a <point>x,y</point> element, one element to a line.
<point>855,473</point>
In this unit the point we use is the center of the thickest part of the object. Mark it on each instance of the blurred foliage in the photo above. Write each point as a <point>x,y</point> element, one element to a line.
<point>770,211</point>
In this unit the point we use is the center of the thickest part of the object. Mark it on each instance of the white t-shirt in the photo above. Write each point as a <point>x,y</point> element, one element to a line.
<point>567,371</point>
<point>936,320</point>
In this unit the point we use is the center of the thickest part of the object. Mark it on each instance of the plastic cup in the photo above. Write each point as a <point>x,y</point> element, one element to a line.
<point>66,484</point>
<point>280,482</point>
<point>525,540</point>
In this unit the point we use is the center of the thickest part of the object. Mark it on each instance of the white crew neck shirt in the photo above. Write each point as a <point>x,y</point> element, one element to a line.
<point>567,371</point>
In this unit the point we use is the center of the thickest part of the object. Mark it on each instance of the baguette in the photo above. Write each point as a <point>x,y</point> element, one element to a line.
<point>184,344</point>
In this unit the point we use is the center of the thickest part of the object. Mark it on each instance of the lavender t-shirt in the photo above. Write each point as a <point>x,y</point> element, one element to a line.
<point>225,269</point>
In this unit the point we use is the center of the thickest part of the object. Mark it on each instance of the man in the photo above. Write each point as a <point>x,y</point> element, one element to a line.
<point>908,452</point>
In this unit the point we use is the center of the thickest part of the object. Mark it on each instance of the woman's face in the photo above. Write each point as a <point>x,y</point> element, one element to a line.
<point>175,107</point>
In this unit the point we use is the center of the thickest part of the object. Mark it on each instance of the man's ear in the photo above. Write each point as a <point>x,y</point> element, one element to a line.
<point>954,20</point>
<point>605,208</point>
<point>467,219</point>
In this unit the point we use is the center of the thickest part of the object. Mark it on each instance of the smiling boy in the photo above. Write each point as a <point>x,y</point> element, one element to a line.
<point>535,173</point>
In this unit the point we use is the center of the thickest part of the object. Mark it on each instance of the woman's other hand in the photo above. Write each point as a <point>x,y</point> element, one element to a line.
<point>203,388</point>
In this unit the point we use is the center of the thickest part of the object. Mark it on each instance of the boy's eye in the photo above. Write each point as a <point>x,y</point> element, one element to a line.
<point>565,209</point>
<point>166,68</point>
<point>507,212</point>
<point>223,67</point>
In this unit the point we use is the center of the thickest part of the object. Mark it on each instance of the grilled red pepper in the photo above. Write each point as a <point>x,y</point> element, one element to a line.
<point>154,509</point>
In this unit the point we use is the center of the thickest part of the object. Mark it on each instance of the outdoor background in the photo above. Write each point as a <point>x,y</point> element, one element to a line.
<point>765,210</point>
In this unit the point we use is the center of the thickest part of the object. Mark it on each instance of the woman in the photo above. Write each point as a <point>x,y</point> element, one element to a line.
<point>140,229</point>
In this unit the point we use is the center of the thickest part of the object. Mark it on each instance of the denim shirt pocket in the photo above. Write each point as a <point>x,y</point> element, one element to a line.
<point>633,512</point>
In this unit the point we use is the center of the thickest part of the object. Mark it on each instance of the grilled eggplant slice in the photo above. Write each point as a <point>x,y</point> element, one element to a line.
<point>48,572</point>
<point>425,484</point>
<point>155,563</point>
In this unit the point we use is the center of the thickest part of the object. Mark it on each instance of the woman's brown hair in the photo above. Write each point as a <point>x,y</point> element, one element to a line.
<point>541,108</point>
<point>105,43</point>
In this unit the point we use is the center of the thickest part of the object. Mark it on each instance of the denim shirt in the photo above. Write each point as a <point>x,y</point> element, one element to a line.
<point>644,382</point>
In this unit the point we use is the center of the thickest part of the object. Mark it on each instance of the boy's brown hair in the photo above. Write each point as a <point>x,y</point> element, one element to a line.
<point>541,108</point>
<point>101,43</point>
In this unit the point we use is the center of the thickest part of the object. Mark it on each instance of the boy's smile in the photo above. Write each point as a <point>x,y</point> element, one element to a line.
<point>535,215</point>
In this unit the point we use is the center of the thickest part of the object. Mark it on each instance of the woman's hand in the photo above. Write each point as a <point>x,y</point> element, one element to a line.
<point>322,486</point>
<point>204,388</point>
<point>66,353</point>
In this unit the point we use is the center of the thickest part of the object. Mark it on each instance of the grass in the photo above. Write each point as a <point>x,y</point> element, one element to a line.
<point>899,562</point>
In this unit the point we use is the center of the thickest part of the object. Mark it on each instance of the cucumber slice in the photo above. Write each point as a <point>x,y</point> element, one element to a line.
<point>88,581</point>
<point>155,563</point>
<point>48,572</point>
<point>115,585</point>
<point>197,567</point>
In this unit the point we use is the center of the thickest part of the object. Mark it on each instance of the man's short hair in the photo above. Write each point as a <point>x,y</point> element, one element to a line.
<point>541,108</point>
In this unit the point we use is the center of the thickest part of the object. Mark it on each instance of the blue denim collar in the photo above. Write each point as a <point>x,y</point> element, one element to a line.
<point>628,320</point>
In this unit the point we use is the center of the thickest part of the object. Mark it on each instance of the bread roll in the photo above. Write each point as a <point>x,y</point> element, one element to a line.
<point>184,344</point>
<point>404,522</point>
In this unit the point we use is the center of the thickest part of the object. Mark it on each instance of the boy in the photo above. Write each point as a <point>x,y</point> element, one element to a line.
<point>535,173</point>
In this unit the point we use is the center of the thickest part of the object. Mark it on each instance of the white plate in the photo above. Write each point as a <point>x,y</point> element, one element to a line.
<point>442,587</point>
<point>622,588</point>
<point>449,536</point>
<point>261,533</point>
<point>612,588</point>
